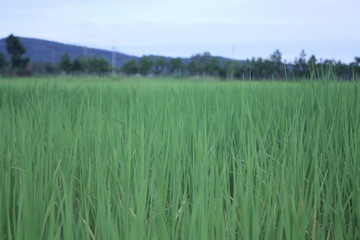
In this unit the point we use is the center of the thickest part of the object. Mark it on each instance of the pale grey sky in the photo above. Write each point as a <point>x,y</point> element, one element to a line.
<point>229,28</point>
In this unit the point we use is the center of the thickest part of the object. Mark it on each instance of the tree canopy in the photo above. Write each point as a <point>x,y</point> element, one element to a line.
<point>92,65</point>
<point>145,65</point>
<point>130,67</point>
<point>15,51</point>
<point>3,62</point>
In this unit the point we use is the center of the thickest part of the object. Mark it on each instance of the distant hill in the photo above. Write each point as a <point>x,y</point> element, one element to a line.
<point>47,51</point>
<point>44,51</point>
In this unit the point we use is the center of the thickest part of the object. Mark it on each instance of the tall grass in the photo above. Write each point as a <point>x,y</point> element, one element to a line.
<point>102,159</point>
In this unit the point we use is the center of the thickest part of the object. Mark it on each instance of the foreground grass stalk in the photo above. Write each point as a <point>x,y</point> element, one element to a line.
<point>104,159</point>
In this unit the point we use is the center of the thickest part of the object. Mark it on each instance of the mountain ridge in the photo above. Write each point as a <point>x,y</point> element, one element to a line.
<point>40,50</point>
<point>47,51</point>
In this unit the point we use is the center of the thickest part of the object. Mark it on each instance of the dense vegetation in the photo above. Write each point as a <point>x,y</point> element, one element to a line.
<point>132,159</point>
<point>207,65</point>
<point>204,64</point>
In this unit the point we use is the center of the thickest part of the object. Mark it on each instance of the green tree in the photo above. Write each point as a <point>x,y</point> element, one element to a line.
<point>229,69</point>
<point>79,65</point>
<point>356,63</point>
<point>312,60</point>
<point>312,66</point>
<point>212,66</point>
<point>15,51</point>
<point>300,67</point>
<point>277,65</point>
<point>3,62</point>
<point>262,68</point>
<point>357,60</point>
<point>98,66</point>
<point>65,63</point>
<point>130,67</point>
<point>145,65</point>
<point>342,70</point>
<point>175,66</point>
<point>159,65</point>
<point>206,64</point>
<point>202,64</point>
<point>192,67</point>
<point>355,68</point>
<point>276,56</point>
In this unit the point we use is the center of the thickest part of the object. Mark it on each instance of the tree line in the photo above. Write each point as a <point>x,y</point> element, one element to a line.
<point>203,64</point>
<point>270,68</point>
<point>81,65</point>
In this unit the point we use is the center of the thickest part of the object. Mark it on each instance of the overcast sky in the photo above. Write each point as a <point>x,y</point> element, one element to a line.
<point>229,28</point>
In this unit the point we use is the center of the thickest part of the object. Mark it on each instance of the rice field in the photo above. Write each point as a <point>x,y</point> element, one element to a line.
<point>110,158</point>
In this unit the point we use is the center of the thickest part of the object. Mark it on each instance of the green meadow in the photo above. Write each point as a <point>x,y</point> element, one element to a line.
<point>107,158</point>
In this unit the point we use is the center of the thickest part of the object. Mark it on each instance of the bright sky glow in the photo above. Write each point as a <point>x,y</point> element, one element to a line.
<point>229,28</point>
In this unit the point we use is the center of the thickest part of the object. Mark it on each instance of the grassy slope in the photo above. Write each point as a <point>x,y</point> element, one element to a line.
<point>102,159</point>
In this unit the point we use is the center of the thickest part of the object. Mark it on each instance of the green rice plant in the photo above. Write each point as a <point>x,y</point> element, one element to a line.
<point>95,158</point>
